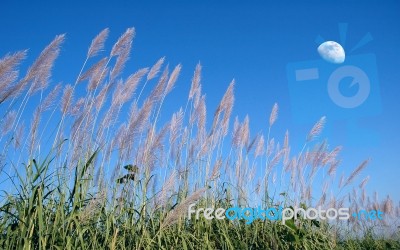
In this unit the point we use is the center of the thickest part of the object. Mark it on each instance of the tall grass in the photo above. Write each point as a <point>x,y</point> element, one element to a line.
<point>93,165</point>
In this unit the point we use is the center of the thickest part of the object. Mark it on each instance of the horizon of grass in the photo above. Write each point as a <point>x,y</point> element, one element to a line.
<point>84,174</point>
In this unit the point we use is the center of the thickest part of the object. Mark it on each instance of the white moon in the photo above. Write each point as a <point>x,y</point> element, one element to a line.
<point>332,52</point>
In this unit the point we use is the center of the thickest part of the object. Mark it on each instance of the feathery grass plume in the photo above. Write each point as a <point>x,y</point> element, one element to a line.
<point>122,49</point>
<point>356,172</point>
<point>184,138</point>
<point>293,173</point>
<point>9,63</point>
<point>40,71</point>
<point>260,146</point>
<point>101,98</point>
<point>331,157</point>
<point>333,166</point>
<point>241,132</point>
<point>217,114</point>
<point>270,147</point>
<point>363,196</point>
<point>138,124</point>
<point>133,111</point>
<point>174,215</point>
<point>175,126</point>
<point>118,140</point>
<point>192,148</point>
<point>97,44</point>
<point>321,200</point>
<point>132,83</point>
<point>9,72</point>
<point>287,163</point>
<point>286,147</point>
<point>301,163</point>
<point>76,125</point>
<point>155,69</point>
<point>354,196</point>
<point>199,114</point>
<point>311,157</point>
<point>227,104</point>
<point>318,155</point>
<point>123,43</point>
<point>388,206</point>
<point>157,92</point>
<point>194,88</point>
<point>397,214</point>
<point>205,146</point>
<point>276,159</point>
<point>94,73</point>
<point>167,187</point>
<point>274,115</point>
<point>119,64</point>
<point>286,140</point>
<point>245,131</point>
<point>202,113</point>
<point>7,122</point>
<point>145,157</point>
<point>34,129</point>
<point>92,207</point>
<point>48,102</point>
<point>66,99</point>
<point>216,170</point>
<point>364,182</point>
<point>77,107</point>
<point>193,115</point>
<point>235,132</point>
<point>118,92</point>
<point>157,143</point>
<point>317,129</point>
<point>109,117</point>
<point>172,79</point>
<point>197,96</point>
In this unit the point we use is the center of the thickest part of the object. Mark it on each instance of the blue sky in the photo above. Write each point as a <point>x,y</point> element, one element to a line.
<point>252,42</point>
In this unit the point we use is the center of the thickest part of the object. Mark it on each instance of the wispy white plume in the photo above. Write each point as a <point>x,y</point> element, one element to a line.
<point>155,69</point>
<point>98,43</point>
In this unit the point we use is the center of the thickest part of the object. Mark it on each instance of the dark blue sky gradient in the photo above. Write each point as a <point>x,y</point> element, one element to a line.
<point>250,41</point>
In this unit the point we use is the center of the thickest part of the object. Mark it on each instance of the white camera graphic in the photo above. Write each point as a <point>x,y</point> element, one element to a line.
<point>340,91</point>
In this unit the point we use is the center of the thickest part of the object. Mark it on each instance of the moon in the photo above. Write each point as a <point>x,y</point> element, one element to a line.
<point>332,52</point>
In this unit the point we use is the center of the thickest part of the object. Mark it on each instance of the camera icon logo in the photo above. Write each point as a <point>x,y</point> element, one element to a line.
<point>343,92</point>
<point>359,77</point>
<point>346,91</point>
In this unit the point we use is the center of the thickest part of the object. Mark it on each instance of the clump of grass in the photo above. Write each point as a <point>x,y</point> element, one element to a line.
<point>95,166</point>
